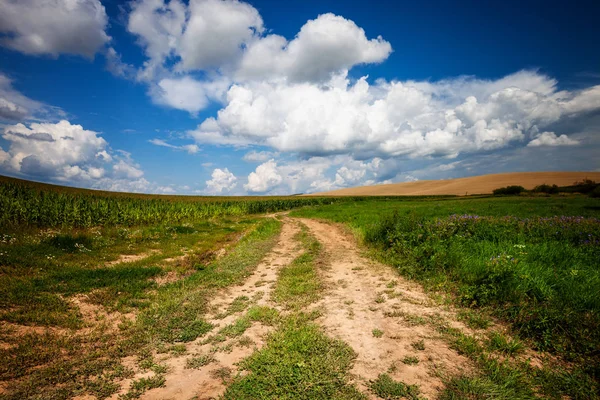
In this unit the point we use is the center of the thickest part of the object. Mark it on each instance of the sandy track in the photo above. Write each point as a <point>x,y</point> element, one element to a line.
<point>359,293</point>
<point>201,384</point>
<point>360,296</point>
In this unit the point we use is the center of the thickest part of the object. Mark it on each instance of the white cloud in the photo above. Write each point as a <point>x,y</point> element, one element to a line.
<point>116,66</point>
<point>550,139</point>
<point>68,153</point>
<point>224,40</point>
<point>215,33</point>
<point>190,148</point>
<point>52,149</point>
<point>259,156</point>
<point>393,119</point>
<point>324,46</point>
<point>222,181</point>
<point>14,106</point>
<point>207,34</point>
<point>345,176</point>
<point>188,94</point>
<point>53,27</point>
<point>127,170</point>
<point>264,178</point>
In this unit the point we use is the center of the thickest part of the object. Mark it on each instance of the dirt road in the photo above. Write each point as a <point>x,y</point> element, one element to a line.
<point>366,304</point>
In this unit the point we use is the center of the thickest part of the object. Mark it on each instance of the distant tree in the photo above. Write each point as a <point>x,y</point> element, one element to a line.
<point>509,190</point>
<point>546,189</point>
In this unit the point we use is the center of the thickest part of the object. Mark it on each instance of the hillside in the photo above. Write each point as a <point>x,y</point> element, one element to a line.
<point>483,184</point>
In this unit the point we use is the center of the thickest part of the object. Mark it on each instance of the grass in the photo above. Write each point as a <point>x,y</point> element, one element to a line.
<point>298,284</point>
<point>200,361</point>
<point>298,362</point>
<point>410,360</point>
<point>63,364</point>
<point>531,262</point>
<point>377,333</point>
<point>387,388</point>
<point>504,344</point>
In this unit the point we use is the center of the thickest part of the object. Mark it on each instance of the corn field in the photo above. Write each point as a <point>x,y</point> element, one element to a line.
<point>24,204</point>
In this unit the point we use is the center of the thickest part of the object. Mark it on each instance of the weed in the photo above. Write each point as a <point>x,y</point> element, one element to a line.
<point>245,341</point>
<point>237,328</point>
<point>377,333</point>
<point>418,345</point>
<point>200,361</point>
<point>223,373</point>
<point>410,360</point>
<point>140,386</point>
<point>474,319</point>
<point>387,388</point>
<point>263,314</point>
<point>298,358</point>
<point>503,344</point>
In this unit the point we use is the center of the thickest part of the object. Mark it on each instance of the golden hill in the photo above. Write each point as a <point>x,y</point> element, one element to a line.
<point>483,184</point>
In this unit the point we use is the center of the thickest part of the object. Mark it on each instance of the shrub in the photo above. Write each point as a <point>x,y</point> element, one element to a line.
<point>509,190</point>
<point>546,189</point>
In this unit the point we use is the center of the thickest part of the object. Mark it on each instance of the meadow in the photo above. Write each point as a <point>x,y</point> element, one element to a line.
<point>90,279</point>
<point>532,262</point>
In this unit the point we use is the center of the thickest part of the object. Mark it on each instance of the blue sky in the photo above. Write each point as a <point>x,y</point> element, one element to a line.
<point>262,97</point>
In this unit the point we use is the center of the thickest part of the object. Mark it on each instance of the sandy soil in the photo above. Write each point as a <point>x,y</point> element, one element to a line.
<point>483,184</point>
<point>363,296</point>
<point>359,297</point>
<point>202,384</point>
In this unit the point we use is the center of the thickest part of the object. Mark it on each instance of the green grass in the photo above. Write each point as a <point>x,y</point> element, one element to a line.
<point>298,284</point>
<point>62,364</point>
<point>529,261</point>
<point>200,361</point>
<point>386,388</point>
<point>298,362</point>
<point>410,360</point>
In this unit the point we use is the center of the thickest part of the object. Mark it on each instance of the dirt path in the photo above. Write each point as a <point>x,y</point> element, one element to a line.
<point>363,299</point>
<point>209,381</point>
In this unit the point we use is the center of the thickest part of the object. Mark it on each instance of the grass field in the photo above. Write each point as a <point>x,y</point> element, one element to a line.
<point>532,262</point>
<point>99,289</point>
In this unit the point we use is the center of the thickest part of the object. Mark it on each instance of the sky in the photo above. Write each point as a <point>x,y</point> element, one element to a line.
<point>227,97</point>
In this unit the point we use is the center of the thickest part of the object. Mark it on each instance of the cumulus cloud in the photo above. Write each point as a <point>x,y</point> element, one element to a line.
<point>53,27</point>
<point>264,178</point>
<point>325,45</point>
<point>215,33</point>
<point>67,153</point>
<point>190,148</point>
<point>394,119</point>
<point>188,94</point>
<point>224,40</point>
<point>222,181</point>
<point>550,139</point>
<point>206,34</point>
<point>52,149</point>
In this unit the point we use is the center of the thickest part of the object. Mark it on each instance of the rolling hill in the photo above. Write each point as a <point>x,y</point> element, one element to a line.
<point>483,184</point>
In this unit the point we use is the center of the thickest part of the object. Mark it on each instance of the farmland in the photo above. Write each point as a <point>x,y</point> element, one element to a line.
<point>132,296</point>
